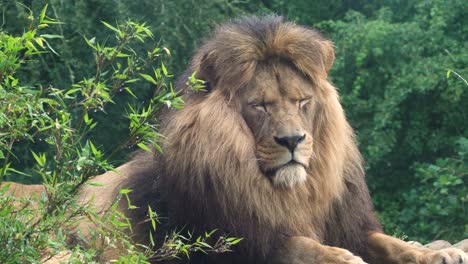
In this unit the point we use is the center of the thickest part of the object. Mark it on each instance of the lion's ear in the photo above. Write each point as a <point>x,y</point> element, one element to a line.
<point>328,54</point>
<point>205,69</point>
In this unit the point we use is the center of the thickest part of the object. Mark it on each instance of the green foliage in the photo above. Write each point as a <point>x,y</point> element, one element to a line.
<point>24,109</point>
<point>392,78</point>
<point>393,82</point>
<point>177,245</point>
<point>55,127</point>
<point>436,207</point>
<point>440,201</point>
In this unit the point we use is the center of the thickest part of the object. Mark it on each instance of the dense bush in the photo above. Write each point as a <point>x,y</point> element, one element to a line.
<point>407,108</point>
<point>436,206</point>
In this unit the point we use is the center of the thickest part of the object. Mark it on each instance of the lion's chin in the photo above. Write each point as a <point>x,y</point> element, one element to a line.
<point>289,176</point>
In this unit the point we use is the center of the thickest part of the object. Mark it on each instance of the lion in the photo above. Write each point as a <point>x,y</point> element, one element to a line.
<point>265,153</point>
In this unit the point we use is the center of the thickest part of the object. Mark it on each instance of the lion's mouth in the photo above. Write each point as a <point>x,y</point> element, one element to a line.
<point>271,172</point>
<point>292,162</point>
<point>288,174</point>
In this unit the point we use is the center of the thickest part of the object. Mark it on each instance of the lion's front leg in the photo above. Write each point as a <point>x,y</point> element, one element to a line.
<point>387,249</point>
<point>303,250</point>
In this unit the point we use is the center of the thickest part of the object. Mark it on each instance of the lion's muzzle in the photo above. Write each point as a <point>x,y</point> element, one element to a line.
<point>291,141</point>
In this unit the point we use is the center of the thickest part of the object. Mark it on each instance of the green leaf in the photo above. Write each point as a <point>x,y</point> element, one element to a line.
<point>96,153</point>
<point>110,26</point>
<point>158,148</point>
<point>233,240</point>
<point>91,42</point>
<point>49,36</point>
<point>151,238</point>
<point>205,244</point>
<point>72,91</point>
<point>122,55</point>
<point>130,92</point>
<point>148,78</point>
<point>40,159</point>
<point>144,147</point>
<point>19,172</point>
<point>96,184</point>
<point>209,234</point>
<point>43,12</point>
<point>164,69</point>
<point>52,21</point>
<point>132,80</point>
<point>125,191</point>
<point>168,52</point>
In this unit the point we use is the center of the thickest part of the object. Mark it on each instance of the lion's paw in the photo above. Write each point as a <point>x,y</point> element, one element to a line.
<point>341,256</point>
<point>443,256</point>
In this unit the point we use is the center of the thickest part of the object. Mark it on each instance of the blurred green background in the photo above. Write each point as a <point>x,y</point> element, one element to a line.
<point>400,69</point>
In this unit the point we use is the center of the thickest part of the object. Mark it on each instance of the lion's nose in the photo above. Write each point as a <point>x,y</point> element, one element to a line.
<point>290,141</point>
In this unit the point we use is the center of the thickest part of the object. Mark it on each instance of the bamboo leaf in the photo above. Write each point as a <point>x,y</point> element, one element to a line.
<point>110,26</point>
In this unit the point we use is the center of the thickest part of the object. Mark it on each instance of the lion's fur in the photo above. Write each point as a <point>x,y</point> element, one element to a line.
<point>210,177</point>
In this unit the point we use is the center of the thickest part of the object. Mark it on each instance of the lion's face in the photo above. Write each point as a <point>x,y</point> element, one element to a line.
<point>276,106</point>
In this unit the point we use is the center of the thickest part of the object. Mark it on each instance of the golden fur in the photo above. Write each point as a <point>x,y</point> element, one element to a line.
<point>212,152</point>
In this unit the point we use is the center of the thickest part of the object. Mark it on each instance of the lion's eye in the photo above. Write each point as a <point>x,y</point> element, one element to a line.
<point>303,102</point>
<point>260,107</point>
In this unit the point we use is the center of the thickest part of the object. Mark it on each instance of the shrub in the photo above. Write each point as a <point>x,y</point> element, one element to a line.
<point>53,128</point>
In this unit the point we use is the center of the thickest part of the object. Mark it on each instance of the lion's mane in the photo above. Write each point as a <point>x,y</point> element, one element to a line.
<point>208,175</point>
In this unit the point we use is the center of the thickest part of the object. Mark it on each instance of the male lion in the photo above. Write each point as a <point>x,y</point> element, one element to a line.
<point>265,153</point>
